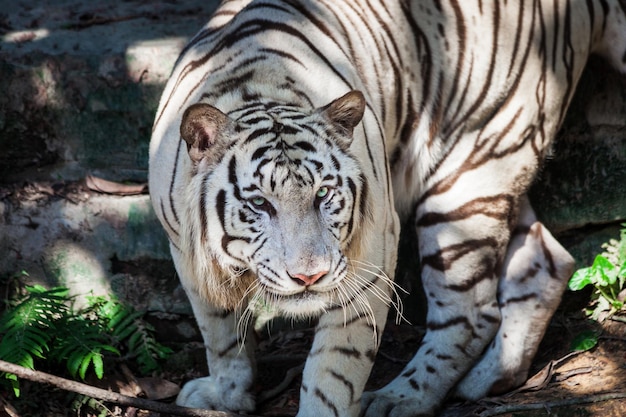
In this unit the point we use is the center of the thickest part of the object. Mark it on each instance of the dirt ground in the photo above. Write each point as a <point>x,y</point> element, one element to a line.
<point>591,383</point>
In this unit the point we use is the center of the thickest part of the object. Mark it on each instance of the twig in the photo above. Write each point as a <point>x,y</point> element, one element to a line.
<point>607,337</point>
<point>618,318</point>
<point>560,377</point>
<point>512,408</point>
<point>101,394</point>
<point>543,377</point>
<point>8,409</point>
<point>291,374</point>
<point>392,358</point>
<point>96,21</point>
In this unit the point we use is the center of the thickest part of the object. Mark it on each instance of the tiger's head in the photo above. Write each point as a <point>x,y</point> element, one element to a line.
<point>275,204</point>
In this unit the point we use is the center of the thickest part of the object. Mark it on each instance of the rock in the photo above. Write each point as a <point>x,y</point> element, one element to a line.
<point>100,245</point>
<point>584,181</point>
<point>81,82</point>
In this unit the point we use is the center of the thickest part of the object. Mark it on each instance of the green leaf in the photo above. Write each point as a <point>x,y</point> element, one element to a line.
<point>84,364</point>
<point>584,341</point>
<point>580,279</point>
<point>126,326</point>
<point>602,307</point>
<point>73,364</point>
<point>604,273</point>
<point>622,245</point>
<point>15,383</point>
<point>134,341</point>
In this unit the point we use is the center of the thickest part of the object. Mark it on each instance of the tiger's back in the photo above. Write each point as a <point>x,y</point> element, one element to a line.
<point>317,122</point>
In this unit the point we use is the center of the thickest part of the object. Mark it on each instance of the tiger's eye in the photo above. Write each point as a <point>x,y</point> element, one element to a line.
<point>322,192</point>
<point>258,201</point>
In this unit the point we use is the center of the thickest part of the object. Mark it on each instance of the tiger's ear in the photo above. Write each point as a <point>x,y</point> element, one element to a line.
<point>346,112</point>
<point>200,128</point>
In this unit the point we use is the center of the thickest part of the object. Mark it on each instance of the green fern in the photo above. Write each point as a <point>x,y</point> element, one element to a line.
<point>81,344</point>
<point>148,351</point>
<point>27,330</point>
<point>90,406</point>
<point>43,326</point>
<point>127,327</point>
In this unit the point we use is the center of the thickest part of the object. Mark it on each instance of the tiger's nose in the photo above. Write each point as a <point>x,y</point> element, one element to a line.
<point>307,280</point>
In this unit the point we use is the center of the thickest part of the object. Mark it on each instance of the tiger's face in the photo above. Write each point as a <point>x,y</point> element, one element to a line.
<point>281,198</point>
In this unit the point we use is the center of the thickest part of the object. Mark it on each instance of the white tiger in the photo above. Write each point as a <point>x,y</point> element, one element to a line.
<point>294,134</point>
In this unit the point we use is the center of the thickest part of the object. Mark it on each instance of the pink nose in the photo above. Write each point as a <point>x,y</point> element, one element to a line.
<point>307,280</point>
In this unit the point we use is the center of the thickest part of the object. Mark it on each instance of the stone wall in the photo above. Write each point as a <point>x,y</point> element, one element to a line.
<point>80,86</point>
<point>581,193</point>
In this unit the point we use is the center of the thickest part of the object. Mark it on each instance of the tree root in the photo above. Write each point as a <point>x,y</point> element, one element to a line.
<point>113,397</point>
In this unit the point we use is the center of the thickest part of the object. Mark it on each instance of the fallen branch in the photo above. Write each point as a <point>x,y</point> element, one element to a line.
<point>113,397</point>
<point>588,399</point>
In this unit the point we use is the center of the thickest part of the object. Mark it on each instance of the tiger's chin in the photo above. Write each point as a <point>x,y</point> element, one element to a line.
<point>304,304</point>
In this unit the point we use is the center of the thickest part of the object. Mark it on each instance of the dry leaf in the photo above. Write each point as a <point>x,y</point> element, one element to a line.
<point>115,188</point>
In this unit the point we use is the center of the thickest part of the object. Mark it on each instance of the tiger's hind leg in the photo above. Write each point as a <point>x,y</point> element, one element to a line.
<point>461,251</point>
<point>534,275</point>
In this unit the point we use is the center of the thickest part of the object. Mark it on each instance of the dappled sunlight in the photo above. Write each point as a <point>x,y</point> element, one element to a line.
<point>151,61</point>
<point>76,268</point>
<point>599,371</point>
<point>575,382</point>
<point>21,36</point>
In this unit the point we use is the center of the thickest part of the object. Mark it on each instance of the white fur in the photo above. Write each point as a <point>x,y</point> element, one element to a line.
<point>458,118</point>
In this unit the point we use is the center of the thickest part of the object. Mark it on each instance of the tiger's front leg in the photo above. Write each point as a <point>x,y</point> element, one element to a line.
<point>461,248</point>
<point>230,359</point>
<point>342,355</point>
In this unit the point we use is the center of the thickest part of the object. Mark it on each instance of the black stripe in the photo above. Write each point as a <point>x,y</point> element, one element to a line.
<point>203,207</point>
<point>345,382</point>
<point>220,208</point>
<point>326,401</point>
<point>255,135</point>
<point>305,146</point>
<point>443,259</point>
<point>166,219</point>
<point>282,54</point>
<point>456,321</point>
<point>174,174</point>
<point>346,351</point>
<point>232,177</point>
<point>518,299</point>
<point>231,346</point>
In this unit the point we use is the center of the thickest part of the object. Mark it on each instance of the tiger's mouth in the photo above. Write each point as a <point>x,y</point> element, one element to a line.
<point>303,296</point>
<point>305,303</point>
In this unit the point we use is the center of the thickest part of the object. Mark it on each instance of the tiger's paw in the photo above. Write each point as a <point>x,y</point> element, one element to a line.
<point>390,404</point>
<point>212,393</point>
